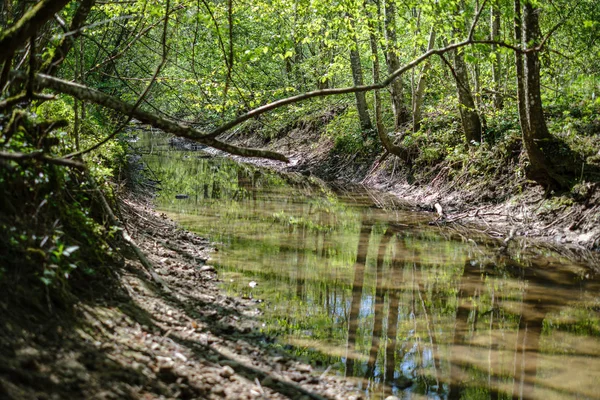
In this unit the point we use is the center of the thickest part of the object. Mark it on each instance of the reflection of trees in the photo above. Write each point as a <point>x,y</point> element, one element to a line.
<point>454,310</point>
<point>357,289</point>
<point>379,303</point>
<point>542,290</point>
<point>470,283</point>
<point>383,336</point>
<point>489,342</point>
<point>300,260</point>
<point>392,320</point>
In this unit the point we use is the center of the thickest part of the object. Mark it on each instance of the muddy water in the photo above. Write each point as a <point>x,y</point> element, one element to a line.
<point>366,288</point>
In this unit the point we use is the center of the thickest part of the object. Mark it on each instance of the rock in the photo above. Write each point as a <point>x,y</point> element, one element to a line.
<point>268,381</point>
<point>296,377</point>
<point>207,268</point>
<point>304,368</point>
<point>27,355</point>
<point>71,365</point>
<point>180,357</point>
<point>164,363</point>
<point>392,398</point>
<point>227,371</point>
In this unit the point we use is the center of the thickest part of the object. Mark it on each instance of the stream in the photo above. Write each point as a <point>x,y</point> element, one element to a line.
<point>358,284</point>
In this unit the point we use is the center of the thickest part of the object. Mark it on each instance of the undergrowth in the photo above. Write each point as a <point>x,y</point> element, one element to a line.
<point>493,170</point>
<point>55,239</point>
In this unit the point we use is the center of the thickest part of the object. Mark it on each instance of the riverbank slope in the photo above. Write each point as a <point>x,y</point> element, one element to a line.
<point>484,185</point>
<point>169,332</point>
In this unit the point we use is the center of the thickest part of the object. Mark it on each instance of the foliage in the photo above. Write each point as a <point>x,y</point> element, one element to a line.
<point>52,233</point>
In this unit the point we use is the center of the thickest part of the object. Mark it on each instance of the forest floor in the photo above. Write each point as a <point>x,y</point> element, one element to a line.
<point>175,337</point>
<point>502,206</point>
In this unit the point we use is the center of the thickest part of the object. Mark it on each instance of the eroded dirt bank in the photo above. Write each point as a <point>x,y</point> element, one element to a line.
<point>503,206</point>
<point>136,339</point>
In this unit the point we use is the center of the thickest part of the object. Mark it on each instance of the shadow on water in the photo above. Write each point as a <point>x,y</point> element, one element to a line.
<point>371,291</point>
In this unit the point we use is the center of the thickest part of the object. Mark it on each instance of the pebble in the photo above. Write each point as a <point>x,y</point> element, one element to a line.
<point>27,354</point>
<point>207,268</point>
<point>180,357</point>
<point>304,368</point>
<point>227,371</point>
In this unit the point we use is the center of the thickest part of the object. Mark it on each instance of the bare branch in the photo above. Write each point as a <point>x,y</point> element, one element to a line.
<point>66,43</point>
<point>475,20</point>
<point>19,157</point>
<point>5,71</point>
<point>555,27</point>
<point>176,128</point>
<point>113,57</point>
<point>15,36</point>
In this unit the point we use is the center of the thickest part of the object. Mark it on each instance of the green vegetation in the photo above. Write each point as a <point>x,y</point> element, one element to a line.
<point>460,75</point>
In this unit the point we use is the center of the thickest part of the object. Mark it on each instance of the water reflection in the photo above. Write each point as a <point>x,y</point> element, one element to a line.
<point>377,294</point>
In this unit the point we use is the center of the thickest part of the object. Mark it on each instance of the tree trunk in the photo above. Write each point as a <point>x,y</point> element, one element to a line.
<point>401,113</point>
<point>468,115</point>
<point>386,141</point>
<point>376,77</point>
<point>357,77</point>
<point>494,35</point>
<point>536,137</point>
<point>420,91</point>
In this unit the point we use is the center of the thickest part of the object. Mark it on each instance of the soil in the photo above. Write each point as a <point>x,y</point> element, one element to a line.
<point>139,339</point>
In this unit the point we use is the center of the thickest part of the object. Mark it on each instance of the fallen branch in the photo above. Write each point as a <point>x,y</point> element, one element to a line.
<point>128,239</point>
<point>176,128</point>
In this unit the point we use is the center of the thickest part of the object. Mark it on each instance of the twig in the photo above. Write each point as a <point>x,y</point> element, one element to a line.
<point>128,239</point>
<point>41,156</point>
<point>141,97</point>
<point>556,221</point>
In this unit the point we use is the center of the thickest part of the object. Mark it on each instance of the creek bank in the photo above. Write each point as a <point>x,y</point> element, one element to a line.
<point>503,206</point>
<point>135,340</point>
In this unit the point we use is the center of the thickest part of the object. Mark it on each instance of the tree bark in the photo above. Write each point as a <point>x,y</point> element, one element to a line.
<point>468,114</point>
<point>420,91</point>
<point>357,78</point>
<point>496,66</point>
<point>401,113</point>
<point>376,76</point>
<point>386,141</point>
<point>536,138</point>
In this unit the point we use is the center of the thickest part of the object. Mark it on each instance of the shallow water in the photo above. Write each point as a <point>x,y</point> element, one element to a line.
<point>364,287</point>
